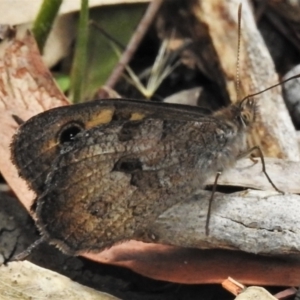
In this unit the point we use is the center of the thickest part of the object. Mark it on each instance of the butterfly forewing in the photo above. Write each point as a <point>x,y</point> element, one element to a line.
<point>33,153</point>
<point>130,161</point>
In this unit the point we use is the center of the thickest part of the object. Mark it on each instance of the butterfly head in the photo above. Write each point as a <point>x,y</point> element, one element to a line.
<point>241,115</point>
<point>247,112</point>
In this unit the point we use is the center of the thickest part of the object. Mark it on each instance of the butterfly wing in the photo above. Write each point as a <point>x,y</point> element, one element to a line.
<point>129,163</point>
<point>37,141</point>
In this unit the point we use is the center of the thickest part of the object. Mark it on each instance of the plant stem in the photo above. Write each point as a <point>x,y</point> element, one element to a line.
<point>79,61</point>
<point>44,21</point>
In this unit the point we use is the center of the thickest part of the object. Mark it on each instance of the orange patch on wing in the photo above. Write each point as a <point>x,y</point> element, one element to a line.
<point>103,117</point>
<point>137,116</point>
<point>49,145</point>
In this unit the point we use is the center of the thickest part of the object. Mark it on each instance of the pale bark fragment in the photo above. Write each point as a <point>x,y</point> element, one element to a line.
<point>255,292</point>
<point>24,280</point>
<point>259,222</point>
<point>275,133</point>
<point>284,174</point>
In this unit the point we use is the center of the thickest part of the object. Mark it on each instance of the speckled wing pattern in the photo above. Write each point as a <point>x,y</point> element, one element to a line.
<point>128,162</point>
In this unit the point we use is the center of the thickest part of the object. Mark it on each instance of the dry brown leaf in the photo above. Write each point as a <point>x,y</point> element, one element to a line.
<point>26,89</point>
<point>192,266</point>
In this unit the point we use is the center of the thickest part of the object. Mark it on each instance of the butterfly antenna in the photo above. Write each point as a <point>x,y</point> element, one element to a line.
<point>271,87</point>
<point>237,73</point>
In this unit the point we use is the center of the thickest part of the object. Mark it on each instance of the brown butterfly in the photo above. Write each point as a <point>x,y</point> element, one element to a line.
<point>105,170</point>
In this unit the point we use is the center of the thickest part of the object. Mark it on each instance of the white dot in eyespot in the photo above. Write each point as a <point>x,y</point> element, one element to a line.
<point>87,134</point>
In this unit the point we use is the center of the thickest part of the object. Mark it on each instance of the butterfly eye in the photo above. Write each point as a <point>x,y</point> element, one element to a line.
<point>220,135</point>
<point>247,117</point>
<point>247,112</point>
<point>68,132</point>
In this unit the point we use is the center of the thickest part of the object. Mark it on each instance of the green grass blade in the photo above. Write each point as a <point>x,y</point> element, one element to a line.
<point>80,56</point>
<point>44,21</point>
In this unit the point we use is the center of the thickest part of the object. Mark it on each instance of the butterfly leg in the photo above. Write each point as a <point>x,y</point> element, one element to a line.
<point>261,156</point>
<point>145,235</point>
<point>27,252</point>
<point>210,203</point>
